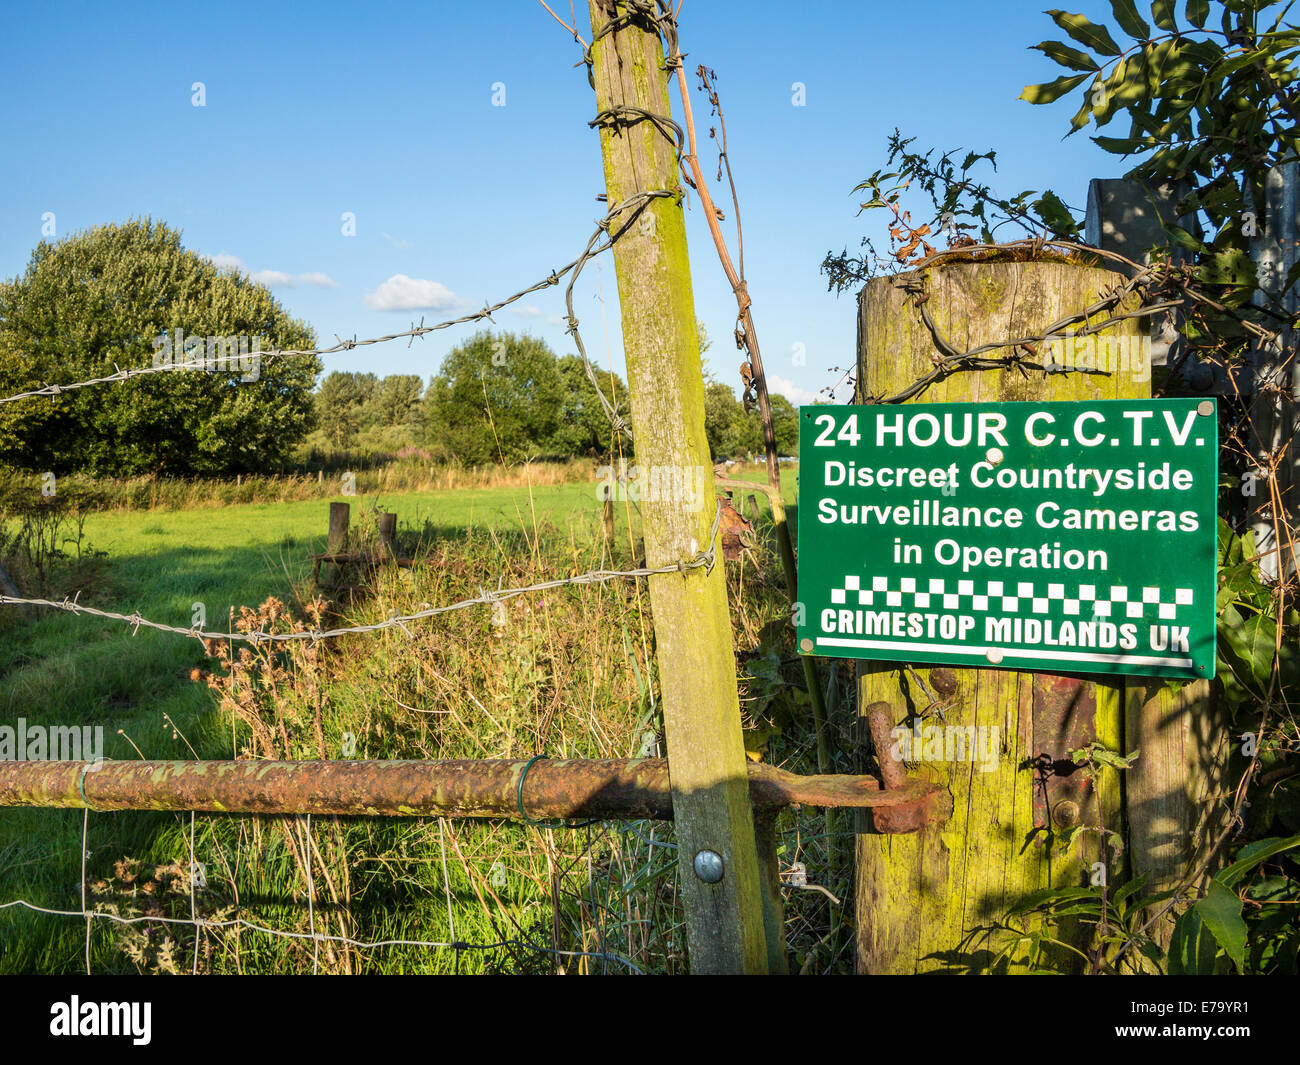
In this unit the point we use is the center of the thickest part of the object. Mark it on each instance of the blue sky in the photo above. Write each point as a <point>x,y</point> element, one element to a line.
<point>386,110</point>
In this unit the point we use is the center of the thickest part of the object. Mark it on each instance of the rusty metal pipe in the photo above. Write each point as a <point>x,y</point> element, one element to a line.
<point>565,788</point>
<point>892,773</point>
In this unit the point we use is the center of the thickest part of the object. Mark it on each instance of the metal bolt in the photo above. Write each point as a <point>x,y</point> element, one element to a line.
<point>806,645</point>
<point>944,681</point>
<point>708,866</point>
<point>1205,408</point>
<point>1066,814</point>
<point>994,456</point>
<point>993,655</point>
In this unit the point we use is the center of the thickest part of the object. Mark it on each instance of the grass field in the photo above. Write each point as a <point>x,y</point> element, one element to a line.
<point>160,563</point>
<point>572,672</point>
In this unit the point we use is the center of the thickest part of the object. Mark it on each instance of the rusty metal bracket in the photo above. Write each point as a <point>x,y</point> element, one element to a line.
<point>1064,719</point>
<point>932,806</point>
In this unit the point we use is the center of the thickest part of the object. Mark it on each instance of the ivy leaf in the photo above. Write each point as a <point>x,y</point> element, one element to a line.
<point>1052,90</point>
<point>1096,37</point>
<point>1066,56</point>
<point>1197,12</point>
<point>1126,14</point>
<point>1162,13</point>
<point>1220,910</point>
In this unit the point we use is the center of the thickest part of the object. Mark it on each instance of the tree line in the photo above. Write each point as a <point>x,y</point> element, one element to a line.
<point>504,397</point>
<point>105,298</point>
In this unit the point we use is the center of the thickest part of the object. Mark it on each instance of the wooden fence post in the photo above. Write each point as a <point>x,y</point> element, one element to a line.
<point>387,535</point>
<point>1275,371</point>
<point>340,514</point>
<point>725,929</point>
<point>1174,794</point>
<point>920,896</point>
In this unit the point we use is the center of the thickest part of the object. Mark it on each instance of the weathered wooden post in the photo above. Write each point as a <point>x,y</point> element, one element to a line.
<point>1275,407</point>
<point>719,869</point>
<point>1172,796</point>
<point>387,535</point>
<point>340,515</point>
<point>920,896</point>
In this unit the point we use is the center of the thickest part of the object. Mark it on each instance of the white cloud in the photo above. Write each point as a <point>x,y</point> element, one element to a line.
<point>273,278</point>
<point>402,293</point>
<point>785,387</point>
<point>526,310</point>
<point>555,319</point>
<point>400,245</point>
<point>223,261</point>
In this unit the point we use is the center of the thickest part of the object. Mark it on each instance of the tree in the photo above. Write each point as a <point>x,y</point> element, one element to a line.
<point>497,397</point>
<point>102,299</point>
<point>398,399</point>
<point>721,409</point>
<point>785,423</point>
<point>734,432</point>
<point>584,427</point>
<point>341,405</point>
<point>1210,103</point>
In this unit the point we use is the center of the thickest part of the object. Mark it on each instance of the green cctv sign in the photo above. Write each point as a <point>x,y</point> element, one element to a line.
<point>1057,537</point>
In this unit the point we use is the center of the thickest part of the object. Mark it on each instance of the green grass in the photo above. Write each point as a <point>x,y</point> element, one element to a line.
<point>573,676</point>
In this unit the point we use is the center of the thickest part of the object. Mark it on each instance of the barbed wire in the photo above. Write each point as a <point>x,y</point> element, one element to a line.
<point>609,229</point>
<point>952,359</point>
<point>626,114</point>
<point>704,558</point>
<point>657,14</point>
<point>635,202</point>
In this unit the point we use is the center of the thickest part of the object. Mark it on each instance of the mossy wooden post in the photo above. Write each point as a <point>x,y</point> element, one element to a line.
<point>920,897</point>
<point>340,514</point>
<point>697,671</point>
<point>387,535</point>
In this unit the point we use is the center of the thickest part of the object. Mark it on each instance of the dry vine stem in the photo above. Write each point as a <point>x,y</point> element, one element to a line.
<point>746,335</point>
